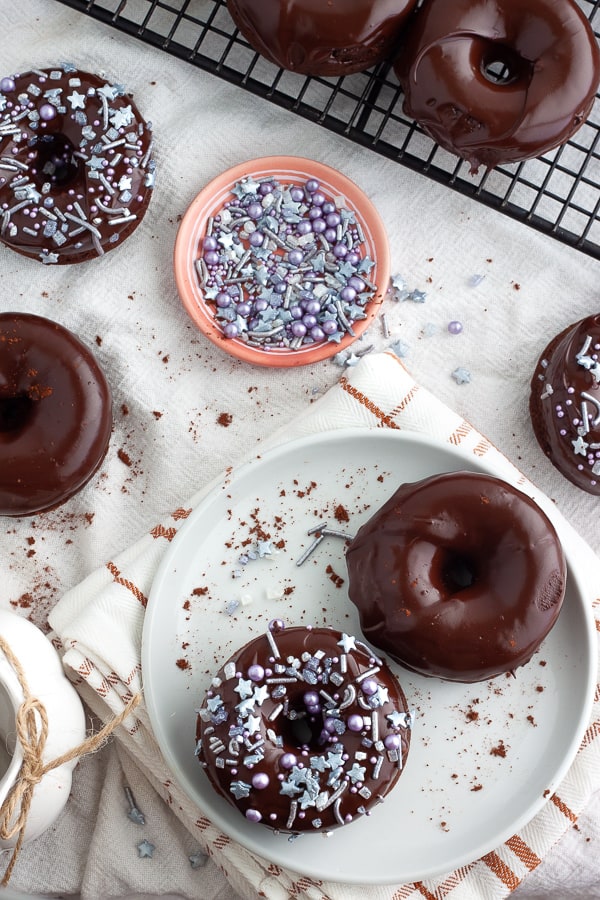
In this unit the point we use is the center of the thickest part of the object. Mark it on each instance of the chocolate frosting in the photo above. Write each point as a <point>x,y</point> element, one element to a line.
<point>547,67</point>
<point>55,414</point>
<point>315,37</point>
<point>459,575</point>
<point>77,171</point>
<point>565,403</point>
<point>303,729</point>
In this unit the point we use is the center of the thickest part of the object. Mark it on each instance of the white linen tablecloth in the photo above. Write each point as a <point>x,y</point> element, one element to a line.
<point>171,389</point>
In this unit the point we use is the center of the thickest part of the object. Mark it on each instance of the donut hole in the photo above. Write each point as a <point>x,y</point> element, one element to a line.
<point>303,730</point>
<point>501,65</point>
<point>15,412</point>
<point>56,162</point>
<point>458,571</point>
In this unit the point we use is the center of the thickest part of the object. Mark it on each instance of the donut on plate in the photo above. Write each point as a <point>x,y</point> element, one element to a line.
<point>499,81</point>
<point>565,403</point>
<point>459,576</point>
<point>303,729</point>
<point>313,37</point>
<point>55,414</point>
<point>76,167</point>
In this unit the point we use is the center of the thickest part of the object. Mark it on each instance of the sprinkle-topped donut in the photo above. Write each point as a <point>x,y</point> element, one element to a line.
<point>565,403</point>
<point>459,576</point>
<point>55,414</point>
<point>304,729</point>
<point>76,167</point>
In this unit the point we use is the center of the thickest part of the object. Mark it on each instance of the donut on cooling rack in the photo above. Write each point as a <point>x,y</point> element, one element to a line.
<point>76,167</point>
<point>313,37</point>
<point>565,403</point>
<point>499,81</point>
<point>460,576</point>
<point>55,414</point>
<point>303,729</point>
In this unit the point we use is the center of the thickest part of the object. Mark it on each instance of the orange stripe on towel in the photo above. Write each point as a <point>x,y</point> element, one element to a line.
<point>501,870</point>
<point>562,806</point>
<point>126,584</point>
<point>368,404</point>
<point>523,851</point>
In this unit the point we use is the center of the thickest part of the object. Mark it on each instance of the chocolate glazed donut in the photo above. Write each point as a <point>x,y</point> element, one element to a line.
<point>314,37</point>
<point>55,414</point>
<point>459,576</point>
<point>498,81</point>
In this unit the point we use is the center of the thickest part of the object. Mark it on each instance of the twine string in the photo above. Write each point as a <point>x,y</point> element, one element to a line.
<point>31,723</point>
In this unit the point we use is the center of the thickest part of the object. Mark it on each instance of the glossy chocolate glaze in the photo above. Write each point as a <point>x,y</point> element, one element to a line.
<point>459,576</point>
<point>547,89</point>
<point>565,403</point>
<point>77,171</point>
<point>315,37</point>
<point>314,771</point>
<point>55,414</point>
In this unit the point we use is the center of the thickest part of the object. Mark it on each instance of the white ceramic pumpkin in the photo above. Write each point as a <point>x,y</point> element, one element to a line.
<point>48,683</point>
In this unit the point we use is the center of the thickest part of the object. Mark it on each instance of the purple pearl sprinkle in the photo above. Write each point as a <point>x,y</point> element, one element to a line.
<point>311,698</point>
<point>455,327</point>
<point>260,781</point>
<point>47,112</point>
<point>253,815</point>
<point>369,686</point>
<point>355,722</point>
<point>276,625</point>
<point>7,85</point>
<point>256,672</point>
<point>312,185</point>
<point>287,760</point>
<point>392,741</point>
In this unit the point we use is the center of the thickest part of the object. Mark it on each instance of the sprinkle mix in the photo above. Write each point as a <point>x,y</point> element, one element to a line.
<point>285,266</point>
<point>308,740</point>
<point>75,164</point>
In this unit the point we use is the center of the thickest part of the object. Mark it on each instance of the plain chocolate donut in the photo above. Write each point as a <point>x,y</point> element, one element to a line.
<point>565,403</point>
<point>55,414</point>
<point>459,576</point>
<point>314,37</point>
<point>76,167</point>
<point>303,729</point>
<point>499,81</point>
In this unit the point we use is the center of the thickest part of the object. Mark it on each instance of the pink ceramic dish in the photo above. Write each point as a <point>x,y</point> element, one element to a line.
<point>262,259</point>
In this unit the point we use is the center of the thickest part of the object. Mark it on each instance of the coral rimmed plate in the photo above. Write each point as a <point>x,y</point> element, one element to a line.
<point>286,170</point>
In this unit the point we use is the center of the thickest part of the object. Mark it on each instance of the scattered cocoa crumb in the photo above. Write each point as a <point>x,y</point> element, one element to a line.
<point>516,286</point>
<point>341,513</point>
<point>334,577</point>
<point>477,787</point>
<point>539,688</point>
<point>499,750</point>
<point>156,414</point>
<point>98,340</point>
<point>532,721</point>
<point>124,409</point>
<point>224,419</point>
<point>124,457</point>
<point>182,664</point>
<point>187,605</point>
<point>200,592</point>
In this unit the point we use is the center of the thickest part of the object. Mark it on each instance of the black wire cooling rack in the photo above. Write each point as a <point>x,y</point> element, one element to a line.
<point>558,194</point>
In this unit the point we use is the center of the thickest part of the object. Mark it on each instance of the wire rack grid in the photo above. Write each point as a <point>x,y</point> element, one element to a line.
<point>558,193</point>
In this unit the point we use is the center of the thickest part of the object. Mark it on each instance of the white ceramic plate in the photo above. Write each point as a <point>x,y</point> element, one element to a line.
<point>483,757</point>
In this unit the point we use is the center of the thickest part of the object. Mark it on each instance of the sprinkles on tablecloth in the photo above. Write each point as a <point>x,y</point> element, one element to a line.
<point>285,265</point>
